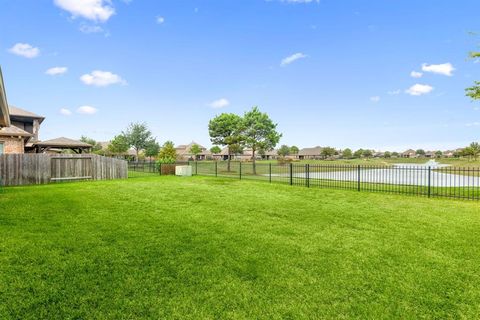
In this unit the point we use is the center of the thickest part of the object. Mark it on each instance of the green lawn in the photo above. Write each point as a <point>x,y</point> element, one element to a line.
<point>196,248</point>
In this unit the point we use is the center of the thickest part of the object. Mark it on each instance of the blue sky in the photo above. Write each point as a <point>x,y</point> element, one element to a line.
<point>329,72</point>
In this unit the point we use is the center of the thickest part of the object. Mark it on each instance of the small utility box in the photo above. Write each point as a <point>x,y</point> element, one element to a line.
<point>183,171</point>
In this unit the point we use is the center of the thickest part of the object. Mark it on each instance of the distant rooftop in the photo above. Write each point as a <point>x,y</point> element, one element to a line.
<point>13,131</point>
<point>63,142</point>
<point>18,112</point>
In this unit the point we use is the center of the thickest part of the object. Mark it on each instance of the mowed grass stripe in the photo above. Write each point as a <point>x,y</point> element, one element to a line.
<point>168,247</point>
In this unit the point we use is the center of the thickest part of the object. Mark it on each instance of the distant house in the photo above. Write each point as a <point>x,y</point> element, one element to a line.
<point>184,152</point>
<point>19,130</point>
<point>448,153</point>
<point>410,153</point>
<point>270,155</point>
<point>430,154</point>
<point>314,153</point>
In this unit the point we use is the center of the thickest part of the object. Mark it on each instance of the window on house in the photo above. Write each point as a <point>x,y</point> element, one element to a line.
<point>2,147</point>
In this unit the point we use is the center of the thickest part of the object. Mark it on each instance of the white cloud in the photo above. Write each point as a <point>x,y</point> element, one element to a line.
<point>97,10</point>
<point>416,74</point>
<point>375,99</point>
<point>394,92</point>
<point>65,111</point>
<point>220,103</point>
<point>85,28</point>
<point>25,50</point>
<point>102,78</point>
<point>299,1</point>
<point>445,68</point>
<point>473,124</point>
<point>294,57</point>
<point>160,20</point>
<point>419,89</point>
<point>56,71</point>
<point>87,110</point>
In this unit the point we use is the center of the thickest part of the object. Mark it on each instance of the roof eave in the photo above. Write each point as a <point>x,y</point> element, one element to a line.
<point>4,111</point>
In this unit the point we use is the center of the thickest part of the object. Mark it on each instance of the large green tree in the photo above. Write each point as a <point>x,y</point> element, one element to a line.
<point>195,150</point>
<point>168,153</point>
<point>294,150</point>
<point>96,146</point>
<point>152,148</point>
<point>284,150</point>
<point>474,91</point>
<point>118,145</point>
<point>259,132</point>
<point>367,153</point>
<point>215,149</point>
<point>474,150</point>
<point>347,153</point>
<point>358,153</point>
<point>138,136</point>
<point>225,130</point>
<point>327,152</point>
<point>420,152</point>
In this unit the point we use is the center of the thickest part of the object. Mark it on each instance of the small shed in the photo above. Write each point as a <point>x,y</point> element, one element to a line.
<point>62,143</point>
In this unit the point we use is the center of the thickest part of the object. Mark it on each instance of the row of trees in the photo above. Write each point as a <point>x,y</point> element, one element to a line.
<point>255,130</point>
<point>136,136</point>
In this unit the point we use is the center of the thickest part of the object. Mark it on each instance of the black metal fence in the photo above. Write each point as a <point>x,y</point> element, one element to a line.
<point>450,182</point>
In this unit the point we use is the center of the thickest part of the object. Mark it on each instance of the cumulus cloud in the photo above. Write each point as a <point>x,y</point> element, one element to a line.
<point>394,92</point>
<point>298,1</point>
<point>220,103</point>
<point>89,110</point>
<point>100,78</point>
<point>294,57</point>
<point>473,124</point>
<point>56,71</point>
<point>65,111</point>
<point>85,28</point>
<point>419,89</point>
<point>416,74</point>
<point>375,99</point>
<point>96,10</point>
<point>445,69</point>
<point>25,50</point>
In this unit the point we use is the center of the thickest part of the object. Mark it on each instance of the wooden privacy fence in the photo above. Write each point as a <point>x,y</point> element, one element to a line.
<point>25,169</point>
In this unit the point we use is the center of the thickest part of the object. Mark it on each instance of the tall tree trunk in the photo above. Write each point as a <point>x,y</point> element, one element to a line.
<point>254,166</point>
<point>228,158</point>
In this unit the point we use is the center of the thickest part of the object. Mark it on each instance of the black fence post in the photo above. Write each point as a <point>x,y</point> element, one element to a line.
<point>307,175</point>
<point>240,169</point>
<point>270,172</point>
<point>160,168</point>
<point>216,169</point>
<point>358,177</point>
<point>429,181</point>
<point>291,173</point>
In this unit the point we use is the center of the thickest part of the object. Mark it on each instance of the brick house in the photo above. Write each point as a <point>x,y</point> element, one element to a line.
<point>184,152</point>
<point>19,131</point>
